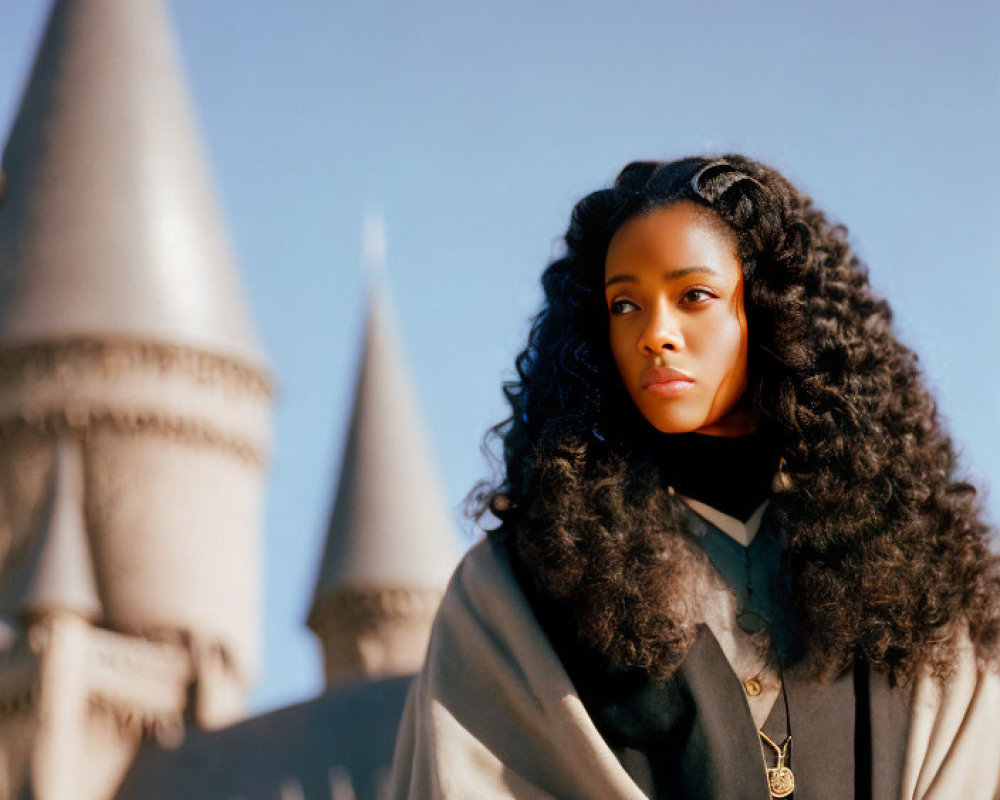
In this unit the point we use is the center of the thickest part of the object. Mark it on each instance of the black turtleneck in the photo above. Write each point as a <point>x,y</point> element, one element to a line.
<point>733,474</point>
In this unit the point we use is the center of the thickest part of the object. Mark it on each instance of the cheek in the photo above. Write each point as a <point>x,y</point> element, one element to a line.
<point>733,352</point>
<point>731,347</point>
<point>619,351</point>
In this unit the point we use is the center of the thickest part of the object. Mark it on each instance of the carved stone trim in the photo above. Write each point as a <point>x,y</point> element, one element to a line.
<point>364,609</point>
<point>138,657</point>
<point>136,423</point>
<point>196,646</point>
<point>166,728</point>
<point>141,684</point>
<point>110,357</point>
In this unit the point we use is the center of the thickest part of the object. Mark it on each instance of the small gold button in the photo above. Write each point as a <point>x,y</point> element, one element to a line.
<point>752,685</point>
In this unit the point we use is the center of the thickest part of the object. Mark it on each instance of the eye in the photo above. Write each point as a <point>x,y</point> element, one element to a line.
<point>698,295</point>
<point>620,307</point>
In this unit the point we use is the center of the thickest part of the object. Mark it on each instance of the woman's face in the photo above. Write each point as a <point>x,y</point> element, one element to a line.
<point>677,325</point>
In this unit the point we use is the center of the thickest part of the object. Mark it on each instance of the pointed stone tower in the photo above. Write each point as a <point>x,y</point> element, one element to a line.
<point>134,415</point>
<point>391,544</point>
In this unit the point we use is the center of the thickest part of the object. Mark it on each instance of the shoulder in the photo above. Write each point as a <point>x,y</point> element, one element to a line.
<point>493,713</point>
<point>485,616</point>
<point>484,584</point>
<point>953,747</point>
<point>487,560</point>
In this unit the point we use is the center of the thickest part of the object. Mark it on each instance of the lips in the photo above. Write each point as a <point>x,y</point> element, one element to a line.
<point>666,381</point>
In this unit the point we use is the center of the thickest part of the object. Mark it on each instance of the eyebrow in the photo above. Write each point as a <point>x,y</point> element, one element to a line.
<point>672,275</point>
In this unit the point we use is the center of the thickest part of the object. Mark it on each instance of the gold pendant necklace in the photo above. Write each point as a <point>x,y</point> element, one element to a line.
<point>780,780</point>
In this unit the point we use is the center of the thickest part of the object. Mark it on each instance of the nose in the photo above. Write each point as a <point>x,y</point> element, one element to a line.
<point>661,332</point>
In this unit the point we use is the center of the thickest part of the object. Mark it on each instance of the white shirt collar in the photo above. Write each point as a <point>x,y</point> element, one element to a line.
<point>742,532</point>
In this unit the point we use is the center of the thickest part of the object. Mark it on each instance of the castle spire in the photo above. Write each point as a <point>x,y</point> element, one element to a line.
<point>109,225</point>
<point>59,575</point>
<point>391,543</point>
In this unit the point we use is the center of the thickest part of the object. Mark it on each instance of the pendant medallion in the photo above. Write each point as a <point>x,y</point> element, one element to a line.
<point>780,781</point>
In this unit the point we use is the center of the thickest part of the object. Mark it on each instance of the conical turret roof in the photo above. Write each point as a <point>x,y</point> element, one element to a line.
<point>109,225</point>
<point>59,572</point>
<point>390,524</point>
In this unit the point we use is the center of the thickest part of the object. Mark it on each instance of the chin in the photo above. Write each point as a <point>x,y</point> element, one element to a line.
<point>727,426</point>
<point>673,423</point>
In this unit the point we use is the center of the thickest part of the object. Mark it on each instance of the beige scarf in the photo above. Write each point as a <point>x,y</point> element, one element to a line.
<point>494,715</point>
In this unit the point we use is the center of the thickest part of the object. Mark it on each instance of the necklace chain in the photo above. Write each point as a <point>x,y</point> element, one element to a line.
<point>780,778</point>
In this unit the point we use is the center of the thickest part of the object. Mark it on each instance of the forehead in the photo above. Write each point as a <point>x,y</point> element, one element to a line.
<point>674,237</point>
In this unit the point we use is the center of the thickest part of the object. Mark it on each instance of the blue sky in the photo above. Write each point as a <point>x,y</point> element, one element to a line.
<point>474,126</point>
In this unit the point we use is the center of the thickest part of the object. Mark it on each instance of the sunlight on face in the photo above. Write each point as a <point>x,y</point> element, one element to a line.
<point>677,325</point>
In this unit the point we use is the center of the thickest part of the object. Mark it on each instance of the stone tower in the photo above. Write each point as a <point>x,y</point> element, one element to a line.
<point>391,544</point>
<point>134,416</point>
<point>390,549</point>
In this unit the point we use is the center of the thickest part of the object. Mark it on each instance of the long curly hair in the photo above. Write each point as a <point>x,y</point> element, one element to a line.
<point>887,555</point>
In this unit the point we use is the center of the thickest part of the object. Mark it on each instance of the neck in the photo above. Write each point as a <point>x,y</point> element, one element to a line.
<point>739,423</point>
<point>730,473</point>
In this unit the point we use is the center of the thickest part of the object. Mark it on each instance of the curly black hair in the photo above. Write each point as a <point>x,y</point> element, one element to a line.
<point>887,554</point>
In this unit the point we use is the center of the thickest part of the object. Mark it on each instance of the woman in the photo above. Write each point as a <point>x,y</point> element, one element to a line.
<point>734,558</point>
